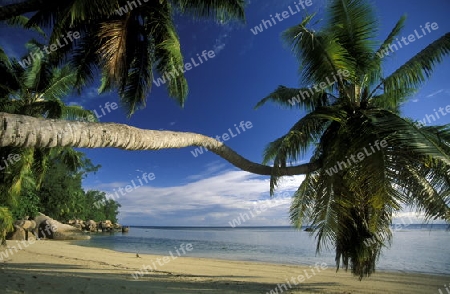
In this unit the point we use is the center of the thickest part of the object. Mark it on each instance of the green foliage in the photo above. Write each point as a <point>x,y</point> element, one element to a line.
<point>28,205</point>
<point>127,47</point>
<point>62,196</point>
<point>222,11</point>
<point>6,223</point>
<point>43,179</point>
<point>95,212</point>
<point>61,193</point>
<point>101,208</point>
<point>351,207</point>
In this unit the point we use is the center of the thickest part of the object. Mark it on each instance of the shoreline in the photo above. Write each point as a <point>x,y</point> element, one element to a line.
<point>50,266</point>
<point>388,271</point>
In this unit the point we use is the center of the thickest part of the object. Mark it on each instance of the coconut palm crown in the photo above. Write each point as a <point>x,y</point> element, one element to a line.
<point>373,161</point>
<point>127,40</point>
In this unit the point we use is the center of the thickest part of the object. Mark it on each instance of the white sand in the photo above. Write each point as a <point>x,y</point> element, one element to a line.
<point>58,267</point>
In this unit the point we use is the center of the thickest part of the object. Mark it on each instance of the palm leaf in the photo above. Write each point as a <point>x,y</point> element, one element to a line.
<point>22,21</point>
<point>61,83</point>
<point>408,137</point>
<point>140,76</point>
<point>393,34</point>
<point>78,113</point>
<point>84,60</point>
<point>220,10</point>
<point>354,24</point>
<point>320,54</point>
<point>307,98</point>
<point>416,70</point>
<point>113,50</point>
<point>167,51</point>
<point>296,142</point>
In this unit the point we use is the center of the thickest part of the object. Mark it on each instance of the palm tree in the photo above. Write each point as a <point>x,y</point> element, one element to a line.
<point>35,91</point>
<point>24,131</point>
<point>373,160</point>
<point>127,41</point>
<point>346,206</point>
<point>157,46</point>
<point>96,22</point>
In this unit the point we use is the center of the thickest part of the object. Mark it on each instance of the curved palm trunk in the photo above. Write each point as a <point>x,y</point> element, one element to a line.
<point>26,131</point>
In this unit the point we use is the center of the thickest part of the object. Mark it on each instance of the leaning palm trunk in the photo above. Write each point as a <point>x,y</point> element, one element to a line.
<point>25,131</point>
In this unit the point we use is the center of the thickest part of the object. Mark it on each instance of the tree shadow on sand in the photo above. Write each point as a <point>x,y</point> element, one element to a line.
<point>56,278</point>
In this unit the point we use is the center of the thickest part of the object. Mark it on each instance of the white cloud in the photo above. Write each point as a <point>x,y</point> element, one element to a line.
<point>435,93</point>
<point>216,198</point>
<point>407,217</point>
<point>222,39</point>
<point>211,201</point>
<point>210,169</point>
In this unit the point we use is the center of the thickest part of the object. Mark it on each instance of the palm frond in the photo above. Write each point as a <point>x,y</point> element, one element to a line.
<point>15,9</point>
<point>113,50</point>
<point>430,190</point>
<point>354,25</point>
<point>307,98</point>
<point>167,51</point>
<point>22,21</point>
<point>296,142</point>
<point>320,54</point>
<point>61,83</point>
<point>392,102</point>
<point>404,134</point>
<point>4,59</point>
<point>140,76</point>
<point>43,108</point>
<point>303,200</point>
<point>222,11</point>
<point>393,34</point>
<point>72,158</point>
<point>84,60</point>
<point>75,112</point>
<point>82,11</point>
<point>416,70</point>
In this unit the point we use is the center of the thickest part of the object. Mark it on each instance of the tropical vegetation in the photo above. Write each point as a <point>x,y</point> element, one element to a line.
<point>127,47</point>
<point>345,208</point>
<point>28,182</point>
<point>352,208</point>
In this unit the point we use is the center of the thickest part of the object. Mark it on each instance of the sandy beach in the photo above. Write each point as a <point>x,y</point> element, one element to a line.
<point>59,267</point>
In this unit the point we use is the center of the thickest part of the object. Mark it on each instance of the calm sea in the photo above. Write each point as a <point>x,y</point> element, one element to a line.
<point>417,248</point>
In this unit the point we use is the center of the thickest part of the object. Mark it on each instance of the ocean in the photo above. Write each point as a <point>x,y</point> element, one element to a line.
<point>415,249</point>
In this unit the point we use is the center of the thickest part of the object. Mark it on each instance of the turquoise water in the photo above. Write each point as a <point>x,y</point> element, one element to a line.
<point>415,249</point>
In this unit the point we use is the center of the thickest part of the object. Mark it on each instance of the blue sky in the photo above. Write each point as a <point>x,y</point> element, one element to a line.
<point>206,190</point>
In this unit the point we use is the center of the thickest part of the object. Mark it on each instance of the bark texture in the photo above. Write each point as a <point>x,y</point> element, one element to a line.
<point>26,131</point>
